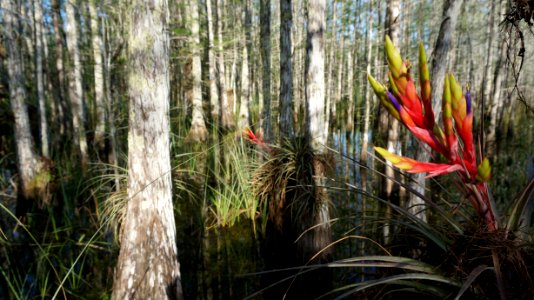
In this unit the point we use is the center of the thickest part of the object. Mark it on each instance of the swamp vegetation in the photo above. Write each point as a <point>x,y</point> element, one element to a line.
<point>276,141</point>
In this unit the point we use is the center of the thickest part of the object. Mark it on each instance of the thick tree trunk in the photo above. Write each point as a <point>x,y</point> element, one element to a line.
<point>75,86</point>
<point>286,71</point>
<point>198,131</point>
<point>39,75</point>
<point>315,81</point>
<point>318,239</point>
<point>265,45</point>
<point>315,94</point>
<point>147,266</point>
<point>100,100</point>
<point>27,159</point>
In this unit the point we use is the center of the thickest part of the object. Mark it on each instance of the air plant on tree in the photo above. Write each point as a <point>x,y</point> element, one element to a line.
<point>454,143</point>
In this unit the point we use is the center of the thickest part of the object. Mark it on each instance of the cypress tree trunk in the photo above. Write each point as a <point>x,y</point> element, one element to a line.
<point>320,236</point>
<point>39,75</point>
<point>244,107</point>
<point>265,45</point>
<point>147,267</point>
<point>212,74</point>
<point>75,86</point>
<point>27,161</point>
<point>495,103</point>
<point>60,67</point>
<point>225,112</point>
<point>198,131</point>
<point>286,71</point>
<point>100,100</point>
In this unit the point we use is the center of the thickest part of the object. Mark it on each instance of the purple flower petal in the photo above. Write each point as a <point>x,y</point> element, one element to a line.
<point>394,101</point>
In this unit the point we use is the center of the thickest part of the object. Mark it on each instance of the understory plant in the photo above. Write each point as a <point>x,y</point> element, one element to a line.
<point>455,151</point>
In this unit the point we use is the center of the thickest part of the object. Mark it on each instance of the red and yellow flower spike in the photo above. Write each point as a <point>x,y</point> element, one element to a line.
<point>415,112</point>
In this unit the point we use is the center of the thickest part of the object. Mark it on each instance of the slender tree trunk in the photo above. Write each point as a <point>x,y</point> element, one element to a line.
<point>351,63</point>
<point>368,100</point>
<point>286,71</point>
<point>27,161</point>
<point>329,65</point>
<point>100,100</point>
<point>225,112</point>
<point>113,145</point>
<point>298,50</point>
<point>147,267</point>
<point>198,131</point>
<point>244,107</point>
<point>451,10</point>
<point>212,74</point>
<point>265,45</point>
<point>39,75</point>
<point>495,103</point>
<point>60,66</point>
<point>340,66</point>
<point>75,86</point>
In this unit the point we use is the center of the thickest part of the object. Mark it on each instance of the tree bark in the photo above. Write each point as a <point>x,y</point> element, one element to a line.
<point>75,86</point>
<point>368,95</point>
<point>212,73</point>
<point>265,45</point>
<point>495,102</point>
<point>60,67</point>
<point>286,71</point>
<point>246,74</point>
<point>340,66</point>
<point>329,65</point>
<point>451,10</point>
<point>225,112</point>
<point>147,267</point>
<point>100,100</point>
<point>198,131</point>
<point>27,161</point>
<point>39,75</point>
<point>320,237</point>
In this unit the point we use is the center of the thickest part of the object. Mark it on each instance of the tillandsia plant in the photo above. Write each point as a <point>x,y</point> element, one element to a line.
<point>454,143</point>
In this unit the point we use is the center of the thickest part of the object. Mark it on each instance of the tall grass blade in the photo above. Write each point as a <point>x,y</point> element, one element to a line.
<point>519,206</point>
<point>471,278</point>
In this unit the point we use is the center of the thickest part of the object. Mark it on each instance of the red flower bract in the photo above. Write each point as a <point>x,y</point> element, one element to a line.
<point>454,142</point>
